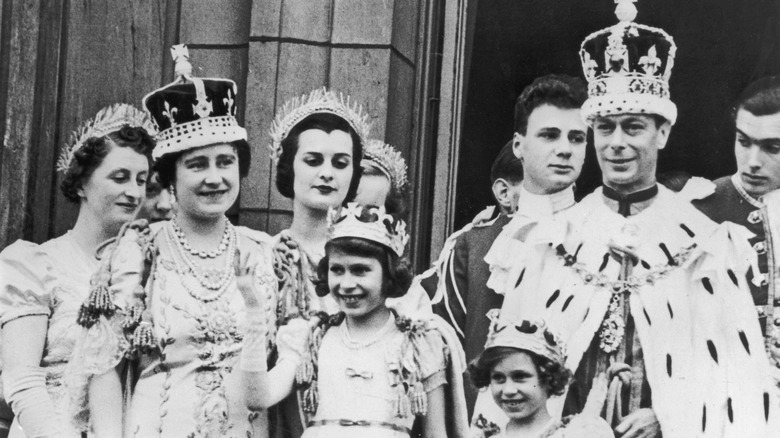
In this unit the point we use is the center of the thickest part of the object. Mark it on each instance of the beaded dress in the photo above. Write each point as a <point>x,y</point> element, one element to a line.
<point>189,384</point>
<point>50,279</point>
<point>372,388</point>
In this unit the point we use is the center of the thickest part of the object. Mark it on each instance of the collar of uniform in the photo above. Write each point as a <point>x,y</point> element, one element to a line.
<point>545,204</point>
<point>632,203</point>
<point>772,196</point>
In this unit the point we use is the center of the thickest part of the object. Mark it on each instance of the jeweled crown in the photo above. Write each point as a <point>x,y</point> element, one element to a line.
<point>370,223</point>
<point>388,160</point>
<point>320,100</point>
<point>192,112</point>
<point>533,336</point>
<point>628,67</point>
<point>107,120</point>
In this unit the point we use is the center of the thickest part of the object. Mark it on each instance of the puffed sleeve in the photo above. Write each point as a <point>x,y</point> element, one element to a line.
<point>112,316</point>
<point>26,273</point>
<point>425,355</point>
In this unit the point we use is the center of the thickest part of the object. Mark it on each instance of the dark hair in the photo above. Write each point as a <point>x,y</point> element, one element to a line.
<point>396,202</point>
<point>561,91</point>
<point>554,376</point>
<point>285,176</point>
<point>760,98</point>
<point>166,165</point>
<point>507,165</point>
<point>396,274</point>
<point>89,156</point>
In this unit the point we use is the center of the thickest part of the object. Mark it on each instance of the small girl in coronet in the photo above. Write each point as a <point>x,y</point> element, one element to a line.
<point>368,371</point>
<point>522,366</point>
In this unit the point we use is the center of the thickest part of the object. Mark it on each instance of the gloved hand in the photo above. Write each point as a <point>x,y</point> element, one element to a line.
<point>292,339</point>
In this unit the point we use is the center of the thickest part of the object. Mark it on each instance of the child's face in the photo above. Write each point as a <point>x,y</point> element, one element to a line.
<point>515,385</point>
<point>356,283</point>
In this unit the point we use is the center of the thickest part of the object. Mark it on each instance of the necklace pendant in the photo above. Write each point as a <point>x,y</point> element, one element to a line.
<point>612,330</point>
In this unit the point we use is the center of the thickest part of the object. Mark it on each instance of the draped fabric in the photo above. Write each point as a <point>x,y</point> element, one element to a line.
<point>702,346</point>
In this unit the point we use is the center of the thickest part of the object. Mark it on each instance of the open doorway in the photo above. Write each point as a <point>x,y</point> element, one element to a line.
<point>723,45</point>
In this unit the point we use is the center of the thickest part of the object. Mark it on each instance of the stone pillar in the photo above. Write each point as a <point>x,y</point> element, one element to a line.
<point>364,48</point>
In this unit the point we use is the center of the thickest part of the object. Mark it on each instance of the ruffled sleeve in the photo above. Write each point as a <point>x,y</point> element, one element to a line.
<point>26,272</point>
<point>113,316</point>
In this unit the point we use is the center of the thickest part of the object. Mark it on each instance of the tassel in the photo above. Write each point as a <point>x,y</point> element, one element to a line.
<point>143,337</point>
<point>401,403</point>
<point>311,398</point>
<point>418,399</point>
<point>305,372</point>
<point>99,303</point>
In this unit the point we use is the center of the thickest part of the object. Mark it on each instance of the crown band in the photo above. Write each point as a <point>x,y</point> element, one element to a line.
<point>197,133</point>
<point>370,223</point>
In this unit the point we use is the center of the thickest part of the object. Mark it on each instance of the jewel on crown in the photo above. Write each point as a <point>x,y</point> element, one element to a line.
<point>628,67</point>
<point>370,223</point>
<point>320,100</point>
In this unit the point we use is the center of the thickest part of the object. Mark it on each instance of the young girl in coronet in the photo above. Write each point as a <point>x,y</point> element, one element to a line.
<point>368,371</point>
<point>523,366</point>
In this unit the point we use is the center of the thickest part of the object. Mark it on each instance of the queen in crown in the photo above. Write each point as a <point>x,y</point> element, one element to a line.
<point>164,303</point>
<point>367,371</point>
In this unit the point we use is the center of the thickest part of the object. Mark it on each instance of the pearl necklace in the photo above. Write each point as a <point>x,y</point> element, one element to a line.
<point>215,288</point>
<point>223,244</point>
<point>355,345</point>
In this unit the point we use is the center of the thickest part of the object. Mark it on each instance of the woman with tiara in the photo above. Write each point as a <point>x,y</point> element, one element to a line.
<point>384,178</point>
<point>165,300</point>
<point>317,145</point>
<point>104,168</point>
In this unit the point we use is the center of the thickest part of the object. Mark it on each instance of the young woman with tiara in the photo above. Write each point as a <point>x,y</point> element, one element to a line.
<point>165,301</point>
<point>522,366</point>
<point>367,371</point>
<point>384,178</point>
<point>105,168</point>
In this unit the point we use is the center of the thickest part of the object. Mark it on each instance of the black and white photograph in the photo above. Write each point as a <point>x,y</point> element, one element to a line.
<point>390,219</point>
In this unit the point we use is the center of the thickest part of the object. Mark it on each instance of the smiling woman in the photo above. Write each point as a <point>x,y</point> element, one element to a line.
<point>105,170</point>
<point>166,300</point>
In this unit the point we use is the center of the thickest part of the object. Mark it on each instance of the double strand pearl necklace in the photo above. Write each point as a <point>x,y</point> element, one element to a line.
<point>215,288</point>
<point>223,244</point>
<point>355,345</point>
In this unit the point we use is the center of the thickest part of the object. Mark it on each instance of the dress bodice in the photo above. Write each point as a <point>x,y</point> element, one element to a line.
<point>191,386</point>
<point>357,381</point>
<point>50,279</point>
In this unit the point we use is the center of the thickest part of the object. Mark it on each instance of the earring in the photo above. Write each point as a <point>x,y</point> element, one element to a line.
<point>172,191</point>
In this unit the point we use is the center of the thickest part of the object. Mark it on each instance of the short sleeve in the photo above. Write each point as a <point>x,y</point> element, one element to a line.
<point>430,355</point>
<point>127,265</point>
<point>26,275</point>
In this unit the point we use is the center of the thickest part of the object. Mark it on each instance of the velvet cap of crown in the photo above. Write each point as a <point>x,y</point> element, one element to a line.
<point>533,336</point>
<point>193,112</point>
<point>628,67</point>
<point>370,223</point>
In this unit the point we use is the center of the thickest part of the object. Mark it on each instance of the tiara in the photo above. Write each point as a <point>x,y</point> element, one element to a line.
<point>320,100</point>
<point>388,160</point>
<point>533,336</point>
<point>370,223</point>
<point>107,120</point>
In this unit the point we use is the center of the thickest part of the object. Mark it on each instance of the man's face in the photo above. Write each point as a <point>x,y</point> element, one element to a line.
<point>627,149</point>
<point>757,149</point>
<point>552,149</point>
